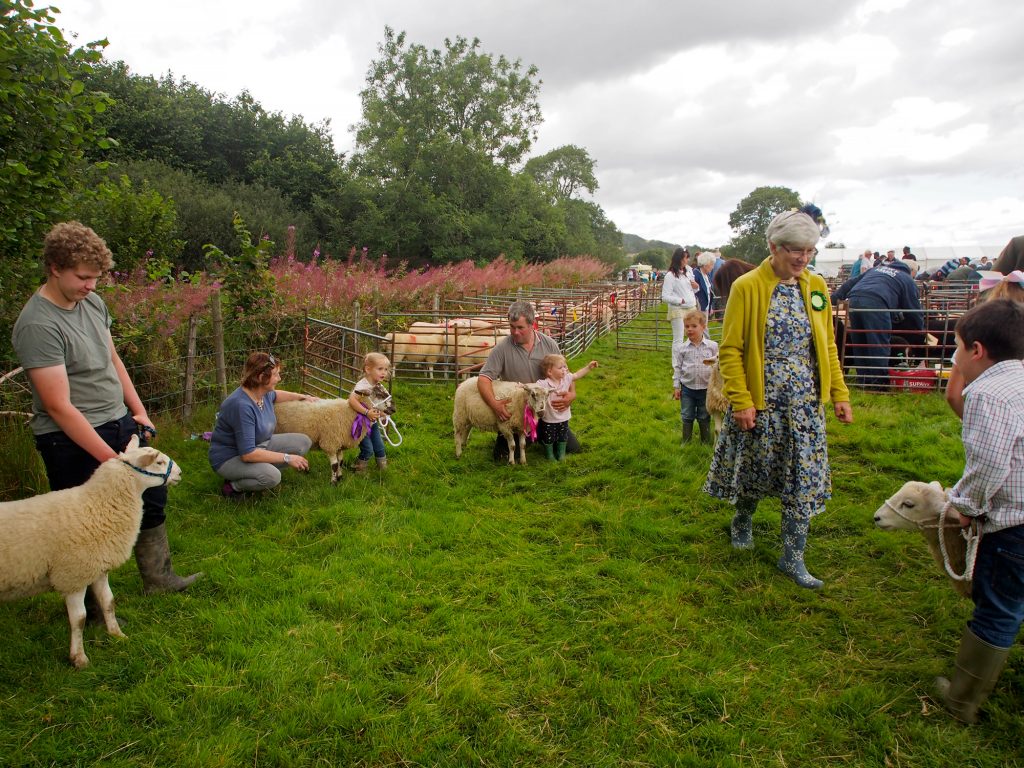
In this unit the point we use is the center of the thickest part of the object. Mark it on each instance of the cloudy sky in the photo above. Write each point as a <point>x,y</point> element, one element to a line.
<point>902,119</point>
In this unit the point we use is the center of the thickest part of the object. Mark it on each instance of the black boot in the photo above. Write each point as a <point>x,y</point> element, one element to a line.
<point>978,667</point>
<point>687,431</point>
<point>705,431</point>
<point>153,556</point>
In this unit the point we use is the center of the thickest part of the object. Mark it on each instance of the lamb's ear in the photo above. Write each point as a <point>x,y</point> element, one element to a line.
<point>132,444</point>
<point>936,485</point>
<point>363,393</point>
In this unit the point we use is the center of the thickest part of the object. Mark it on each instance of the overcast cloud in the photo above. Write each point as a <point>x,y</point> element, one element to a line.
<point>902,119</point>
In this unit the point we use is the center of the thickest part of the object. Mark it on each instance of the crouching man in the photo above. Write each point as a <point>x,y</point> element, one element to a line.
<point>84,406</point>
<point>989,352</point>
<point>517,357</point>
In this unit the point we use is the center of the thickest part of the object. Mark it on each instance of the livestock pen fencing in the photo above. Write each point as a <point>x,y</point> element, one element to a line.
<point>453,339</point>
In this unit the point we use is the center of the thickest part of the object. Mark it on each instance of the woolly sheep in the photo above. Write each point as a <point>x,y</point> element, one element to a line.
<point>429,348</point>
<point>328,423</point>
<point>69,540</point>
<point>471,411</point>
<point>716,402</point>
<point>917,507</point>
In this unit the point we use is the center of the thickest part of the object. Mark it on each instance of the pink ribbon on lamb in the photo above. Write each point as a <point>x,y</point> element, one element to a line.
<point>992,279</point>
<point>361,422</point>
<point>530,423</point>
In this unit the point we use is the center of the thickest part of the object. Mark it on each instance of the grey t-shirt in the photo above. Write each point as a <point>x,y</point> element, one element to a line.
<point>510,362</point>
<point>46,335</point>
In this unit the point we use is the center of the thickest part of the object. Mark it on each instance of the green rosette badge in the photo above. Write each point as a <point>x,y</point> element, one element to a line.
<point>818,301</point>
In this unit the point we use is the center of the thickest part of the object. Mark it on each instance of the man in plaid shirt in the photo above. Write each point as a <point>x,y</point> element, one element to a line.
<point>990,342</point>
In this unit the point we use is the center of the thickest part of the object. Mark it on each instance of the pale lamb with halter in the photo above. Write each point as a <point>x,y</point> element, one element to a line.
<point>332,425</point>
<point>472,412</point>
<point>922,507</point>
<point>70,540</point>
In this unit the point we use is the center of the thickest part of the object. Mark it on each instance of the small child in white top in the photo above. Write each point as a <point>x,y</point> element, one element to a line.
<point>376,369</point>
<point>553,429</point>
<point>691,369</point>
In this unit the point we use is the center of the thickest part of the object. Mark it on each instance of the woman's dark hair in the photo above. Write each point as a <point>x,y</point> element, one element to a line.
<point>258,368</point>
<point>676,265</point>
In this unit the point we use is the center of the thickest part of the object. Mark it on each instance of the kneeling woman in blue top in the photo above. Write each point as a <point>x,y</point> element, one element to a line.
<point>244,449</point>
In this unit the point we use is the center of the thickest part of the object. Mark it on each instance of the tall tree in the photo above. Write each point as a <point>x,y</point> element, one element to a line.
<point>752,216</point>
<point>564,170</point>
<point>46,124</point>
<point>413,96</point>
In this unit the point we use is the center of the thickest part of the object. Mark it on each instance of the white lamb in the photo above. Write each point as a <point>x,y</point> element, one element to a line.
<point>917,507</point>
<point>471,411</point>
<point>69,540</point>
<point>328,423</point>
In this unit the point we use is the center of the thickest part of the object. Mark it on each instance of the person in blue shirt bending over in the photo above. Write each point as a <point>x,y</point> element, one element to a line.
<point>874,296</point>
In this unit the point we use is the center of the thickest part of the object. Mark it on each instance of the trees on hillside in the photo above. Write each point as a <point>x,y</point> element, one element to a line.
<point>751,218</point>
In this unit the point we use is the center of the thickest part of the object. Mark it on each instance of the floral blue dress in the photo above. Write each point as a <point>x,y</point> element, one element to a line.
<point>785,455</point>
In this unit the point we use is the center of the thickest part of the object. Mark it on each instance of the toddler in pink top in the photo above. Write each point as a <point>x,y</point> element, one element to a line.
<point>553,429</point>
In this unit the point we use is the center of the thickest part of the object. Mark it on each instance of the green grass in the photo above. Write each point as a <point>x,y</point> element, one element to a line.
<point>454,612</point>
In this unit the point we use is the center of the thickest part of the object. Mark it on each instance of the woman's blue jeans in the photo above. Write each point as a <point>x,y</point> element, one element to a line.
<point>998,590</point>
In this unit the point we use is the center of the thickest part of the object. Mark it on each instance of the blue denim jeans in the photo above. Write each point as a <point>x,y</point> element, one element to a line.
<point>372,444</point>
<point>692,403</point>
<point>998,590</point>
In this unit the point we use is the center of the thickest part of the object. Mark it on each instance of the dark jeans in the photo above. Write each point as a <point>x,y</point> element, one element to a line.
<point>68,466</point>
<point>372,444</point>
<point>998,590</point>
<point>693,404</point>
<point>869,336</point>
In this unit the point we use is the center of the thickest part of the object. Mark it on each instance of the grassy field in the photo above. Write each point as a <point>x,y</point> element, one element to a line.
<point>590,613</point>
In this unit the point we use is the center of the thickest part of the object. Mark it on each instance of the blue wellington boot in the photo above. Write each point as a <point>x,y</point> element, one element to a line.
<point>794,540</point>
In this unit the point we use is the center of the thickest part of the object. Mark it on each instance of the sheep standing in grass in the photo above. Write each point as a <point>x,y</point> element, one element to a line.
<point>430,349</point>
<point>472,412</point>
<point>716,402</point>
<point>69,540</point>
<point>330,423</point>
<point>918,507</point>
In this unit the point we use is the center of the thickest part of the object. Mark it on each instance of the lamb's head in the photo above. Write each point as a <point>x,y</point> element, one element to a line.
<point>913,506</point>
<point>536,397</point>
<point>378,398</point>
<point>155,467</point>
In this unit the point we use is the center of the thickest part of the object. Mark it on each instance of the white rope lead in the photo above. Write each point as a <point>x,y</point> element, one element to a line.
<point>972,538</point>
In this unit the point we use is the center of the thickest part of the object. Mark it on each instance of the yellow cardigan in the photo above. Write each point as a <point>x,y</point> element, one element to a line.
<point>741,352</point>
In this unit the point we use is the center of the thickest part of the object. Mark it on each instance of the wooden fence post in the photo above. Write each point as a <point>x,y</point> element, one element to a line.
<point>437,307</point>
<point>217,321</point>
<point>190,368</point>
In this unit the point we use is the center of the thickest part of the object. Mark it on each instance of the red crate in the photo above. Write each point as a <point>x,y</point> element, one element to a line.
<point>914,379</point>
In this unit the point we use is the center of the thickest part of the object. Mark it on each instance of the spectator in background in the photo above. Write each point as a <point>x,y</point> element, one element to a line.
<point>874,297</point>
<point>677,292</point>
<point>863,264</point>
<point>907,255</point>
<point>964,273</point>
<point>705,294</point>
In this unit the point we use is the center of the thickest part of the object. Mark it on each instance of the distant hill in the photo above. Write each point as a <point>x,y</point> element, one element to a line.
<point>635,244</point>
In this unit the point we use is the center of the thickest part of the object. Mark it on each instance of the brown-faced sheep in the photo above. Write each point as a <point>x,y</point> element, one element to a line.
<point>329,423</point>
<point>472,412</point>
<point>917,507</point>
<point>69,540</point>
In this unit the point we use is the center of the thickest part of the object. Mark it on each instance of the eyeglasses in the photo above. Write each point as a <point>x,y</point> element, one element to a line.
<point>810,253</point>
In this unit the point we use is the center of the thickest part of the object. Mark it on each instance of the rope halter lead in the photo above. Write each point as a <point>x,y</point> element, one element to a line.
<point>162,475</point>
<point>971,536</point>
<point>386,421</point>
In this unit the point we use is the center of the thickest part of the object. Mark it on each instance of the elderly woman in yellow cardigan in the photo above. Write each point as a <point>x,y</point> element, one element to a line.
<point>780,366</point>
